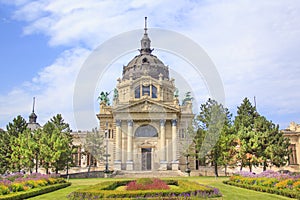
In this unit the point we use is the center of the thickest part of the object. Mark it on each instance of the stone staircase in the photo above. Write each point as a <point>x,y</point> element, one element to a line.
<point>147,174</point>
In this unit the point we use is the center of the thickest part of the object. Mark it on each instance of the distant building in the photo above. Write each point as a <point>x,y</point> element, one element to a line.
<point>32,124</point>
<point>293,133</point>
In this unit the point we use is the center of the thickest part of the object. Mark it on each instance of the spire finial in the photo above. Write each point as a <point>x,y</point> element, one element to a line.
<point>145,25</point>
<point>33,104</point>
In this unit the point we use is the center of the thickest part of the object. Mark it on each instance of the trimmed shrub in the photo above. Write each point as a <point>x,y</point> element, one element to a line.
<point>272,190</point>
<point>186,189</point>
<point>34,192</point>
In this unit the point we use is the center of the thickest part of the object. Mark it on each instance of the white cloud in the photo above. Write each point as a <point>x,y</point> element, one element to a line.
<point>254,45</point>
<point>52,87</point>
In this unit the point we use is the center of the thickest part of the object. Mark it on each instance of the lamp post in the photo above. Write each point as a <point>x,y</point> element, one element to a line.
<point>106,155</point>
<point>187,169</point>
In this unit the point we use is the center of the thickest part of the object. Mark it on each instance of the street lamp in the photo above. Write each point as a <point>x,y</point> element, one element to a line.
<point>187,169</point>
<point>106,155</point>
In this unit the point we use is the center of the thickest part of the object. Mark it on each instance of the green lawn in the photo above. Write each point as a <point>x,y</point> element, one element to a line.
<point>229,192</point>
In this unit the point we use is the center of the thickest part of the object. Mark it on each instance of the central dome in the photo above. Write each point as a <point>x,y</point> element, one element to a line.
<point>145,64</point>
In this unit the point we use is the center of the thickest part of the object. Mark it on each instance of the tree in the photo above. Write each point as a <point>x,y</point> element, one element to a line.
<point>23,151</point>
<point>4,151</point>
<point>63,144</point>
<point>227,143</point>
<point>212,119</point>
<point>14,129</point>
<point>248,139</point>
<point>273,147</point>
<point>94,144</point>
<point>260,141</point>
<point>36,137</point>
<point>19,125</point>
<point>56,144</point>
<point>46,150</point>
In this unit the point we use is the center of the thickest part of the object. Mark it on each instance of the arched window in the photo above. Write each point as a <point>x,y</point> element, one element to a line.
<point>154,92</point>
<point>137,92</point>
<point>146,90</point>
<point>146,131</point>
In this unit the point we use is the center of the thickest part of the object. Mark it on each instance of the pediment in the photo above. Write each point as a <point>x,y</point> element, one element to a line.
<point>147,106</point>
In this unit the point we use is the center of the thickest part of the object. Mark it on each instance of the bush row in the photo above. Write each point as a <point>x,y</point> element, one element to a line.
<point>107,190</point>
<point>272,190</point>
<point>34,192</point>
<point>23,185</point>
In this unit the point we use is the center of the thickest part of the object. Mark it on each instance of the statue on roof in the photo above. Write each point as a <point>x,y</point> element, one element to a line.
<point>103,97</point>
<point>116,94</point>
<point>176,93</point>
<point>188,98</point>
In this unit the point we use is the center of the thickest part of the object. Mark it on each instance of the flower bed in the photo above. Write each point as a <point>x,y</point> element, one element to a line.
<point>19,182</point>
<point>268,181</point>
<point>107,189</point>
<point>147,184</point>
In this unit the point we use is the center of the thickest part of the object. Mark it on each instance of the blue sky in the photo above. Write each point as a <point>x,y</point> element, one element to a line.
<point>254,45</point>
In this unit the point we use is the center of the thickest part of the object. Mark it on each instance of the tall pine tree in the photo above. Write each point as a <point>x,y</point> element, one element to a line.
<point>244,125</point>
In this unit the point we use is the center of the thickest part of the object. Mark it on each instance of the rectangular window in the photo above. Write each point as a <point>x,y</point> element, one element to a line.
<point>293,155</point>
<point>137,93</point>
<point>146,90</point>
<point>154,92</point>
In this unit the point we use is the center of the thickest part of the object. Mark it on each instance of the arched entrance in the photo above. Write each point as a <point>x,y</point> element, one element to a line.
<point>146,148</point>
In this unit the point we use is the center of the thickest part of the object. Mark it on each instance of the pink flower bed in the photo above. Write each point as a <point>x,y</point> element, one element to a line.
<point>147,184</point>
<point>21,182</point>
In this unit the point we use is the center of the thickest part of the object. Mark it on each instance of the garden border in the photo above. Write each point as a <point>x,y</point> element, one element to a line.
<point>107,190</point>
<point>34,192</point>
<point>282,192</point>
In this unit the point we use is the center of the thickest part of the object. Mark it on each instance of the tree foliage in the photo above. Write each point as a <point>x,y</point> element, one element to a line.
<point>94,144</point>
<point>244,125</point>
<point>213,121</point>
<point>15,130</point>
<point>4,151</point>
<point>22,149</point>
<point>260,141</point>
<point>56,144</point>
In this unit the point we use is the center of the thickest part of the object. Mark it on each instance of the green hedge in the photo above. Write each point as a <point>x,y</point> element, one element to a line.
<point>34,192</point>
<point>107,190</point>
<point>272,190</point>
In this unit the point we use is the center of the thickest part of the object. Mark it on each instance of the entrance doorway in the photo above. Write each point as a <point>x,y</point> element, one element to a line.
<point>146,158</point>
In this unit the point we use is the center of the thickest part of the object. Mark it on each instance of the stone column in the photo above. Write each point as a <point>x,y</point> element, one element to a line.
<point>118,144</point>
<point>129,163</point>
<point>124,146</point>
<point>175,162</point>
<point>163,162</point>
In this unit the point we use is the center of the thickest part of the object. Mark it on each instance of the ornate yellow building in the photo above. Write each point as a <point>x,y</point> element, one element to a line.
<point>145,120</point>
<point>293,133</point>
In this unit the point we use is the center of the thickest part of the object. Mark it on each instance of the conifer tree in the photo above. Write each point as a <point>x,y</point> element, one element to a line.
<point>244,125</point>
<point>4,151</point>
<point>212,119</point>
<point>15,129</point>
<point>56,144</point>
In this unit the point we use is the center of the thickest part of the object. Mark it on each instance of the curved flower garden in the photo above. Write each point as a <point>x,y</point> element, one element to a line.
<point>19,185</point>
<point>268,181</point>
<point>146,188</point>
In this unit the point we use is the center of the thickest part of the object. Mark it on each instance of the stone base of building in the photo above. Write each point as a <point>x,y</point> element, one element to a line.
<point>117,165</point>
<point>129,165</point>
<point>175,165</point>
<point>163,165</point>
